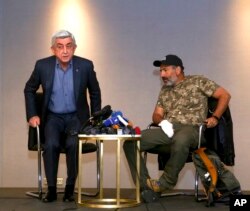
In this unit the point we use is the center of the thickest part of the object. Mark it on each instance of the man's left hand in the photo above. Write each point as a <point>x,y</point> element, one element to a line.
<point>211,122</point>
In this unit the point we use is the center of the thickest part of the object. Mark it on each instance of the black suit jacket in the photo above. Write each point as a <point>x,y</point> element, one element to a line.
<point>220,138</point>
<point>85,82</point>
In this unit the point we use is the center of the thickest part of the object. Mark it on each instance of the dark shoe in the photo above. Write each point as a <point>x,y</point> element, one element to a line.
<point>149,196</point>
<point>69,193</point>
<point>50,195</point>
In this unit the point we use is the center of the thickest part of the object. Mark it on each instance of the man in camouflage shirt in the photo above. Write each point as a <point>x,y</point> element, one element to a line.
<point>180,109</point>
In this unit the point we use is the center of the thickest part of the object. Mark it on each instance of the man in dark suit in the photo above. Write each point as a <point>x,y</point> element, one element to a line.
<point>66,81</point>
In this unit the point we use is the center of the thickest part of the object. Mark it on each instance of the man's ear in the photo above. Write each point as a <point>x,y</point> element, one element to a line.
<point>178,70</point>
<point>52,50</point>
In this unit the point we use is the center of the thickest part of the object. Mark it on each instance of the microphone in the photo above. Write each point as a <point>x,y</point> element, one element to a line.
<point>121,119</point>
<point>116,118</point>
<point>105,112</point>
<point>113,120</point>
<point>137,130</point>
<point>97,116</point>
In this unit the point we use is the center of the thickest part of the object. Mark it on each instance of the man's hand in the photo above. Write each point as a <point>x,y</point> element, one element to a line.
<point>167,128</point>
<point>34,121</point>
<point>211,122</point>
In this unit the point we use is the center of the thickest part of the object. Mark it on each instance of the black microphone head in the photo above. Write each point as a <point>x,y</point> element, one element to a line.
<point>107,113</point>
<point>104,113</point>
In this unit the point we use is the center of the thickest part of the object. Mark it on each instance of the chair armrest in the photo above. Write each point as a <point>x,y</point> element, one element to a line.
<point>152,124</point>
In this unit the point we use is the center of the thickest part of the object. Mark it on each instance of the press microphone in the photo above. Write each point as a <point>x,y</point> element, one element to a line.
<point>116,118</point>
<point>97,116</point>
<point>121,119</point>
<point>137,130</point>
<point>105,112</point>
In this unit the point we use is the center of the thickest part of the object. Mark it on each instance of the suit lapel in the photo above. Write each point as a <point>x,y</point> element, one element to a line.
<point>76,77</point>
<point>51,73</point>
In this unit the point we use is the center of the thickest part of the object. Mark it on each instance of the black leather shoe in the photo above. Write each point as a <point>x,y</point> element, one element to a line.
<point>50,195</point>
<point>69,193</point>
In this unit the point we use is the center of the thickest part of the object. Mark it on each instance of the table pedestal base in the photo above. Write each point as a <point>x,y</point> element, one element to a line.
<point>109,203</point>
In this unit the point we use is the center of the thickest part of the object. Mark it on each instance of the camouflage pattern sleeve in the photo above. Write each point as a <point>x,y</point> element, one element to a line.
<point>207,86</point>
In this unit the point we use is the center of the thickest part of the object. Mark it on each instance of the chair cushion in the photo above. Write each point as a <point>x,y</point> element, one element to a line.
<point>88,147</point>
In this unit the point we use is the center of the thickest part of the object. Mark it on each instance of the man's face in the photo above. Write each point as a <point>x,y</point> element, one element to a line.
<point>64,50</point>
<point>168,75</point>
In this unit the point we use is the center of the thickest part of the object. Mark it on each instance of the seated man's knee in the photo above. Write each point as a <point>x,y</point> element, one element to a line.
<point>128,145</point>
<point>185,137</point>
<point>181,148</point>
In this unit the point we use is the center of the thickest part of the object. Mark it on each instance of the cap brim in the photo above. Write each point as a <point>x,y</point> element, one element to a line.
<point>157,63</point>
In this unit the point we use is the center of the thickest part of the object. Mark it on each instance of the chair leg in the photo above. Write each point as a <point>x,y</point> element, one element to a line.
<point>38,194</point>
<point>196,186</point>
<point>197,198</point>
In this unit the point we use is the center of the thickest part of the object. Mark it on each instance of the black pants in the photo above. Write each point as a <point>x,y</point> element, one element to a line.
<point>61,131</point>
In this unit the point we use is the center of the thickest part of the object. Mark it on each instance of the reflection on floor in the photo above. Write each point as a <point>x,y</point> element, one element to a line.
<point>15,199</point>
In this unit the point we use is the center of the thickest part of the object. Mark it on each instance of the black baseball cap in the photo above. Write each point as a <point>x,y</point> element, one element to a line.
<point>170,60</point>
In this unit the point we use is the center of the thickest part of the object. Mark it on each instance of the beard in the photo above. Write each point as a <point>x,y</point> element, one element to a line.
<point>170,81</point>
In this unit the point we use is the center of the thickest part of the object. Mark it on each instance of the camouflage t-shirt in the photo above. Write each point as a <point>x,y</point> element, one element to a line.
<point>186,102</point>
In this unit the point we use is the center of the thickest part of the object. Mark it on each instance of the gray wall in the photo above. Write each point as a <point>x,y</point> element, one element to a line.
<point>123,38</point>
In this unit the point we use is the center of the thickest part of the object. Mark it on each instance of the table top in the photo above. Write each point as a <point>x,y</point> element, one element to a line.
<point>110,136</point>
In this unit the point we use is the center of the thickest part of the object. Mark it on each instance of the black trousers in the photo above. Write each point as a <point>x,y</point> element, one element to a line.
<point>61,131</point>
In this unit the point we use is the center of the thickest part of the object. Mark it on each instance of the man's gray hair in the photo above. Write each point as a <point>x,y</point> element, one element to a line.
<point>62,34</point>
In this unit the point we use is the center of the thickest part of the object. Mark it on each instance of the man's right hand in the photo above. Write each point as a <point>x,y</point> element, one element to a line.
<point>34,121</point>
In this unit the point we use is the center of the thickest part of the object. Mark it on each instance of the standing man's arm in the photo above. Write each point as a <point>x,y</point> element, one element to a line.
<point>94,91</point>
<point>30,89</point>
